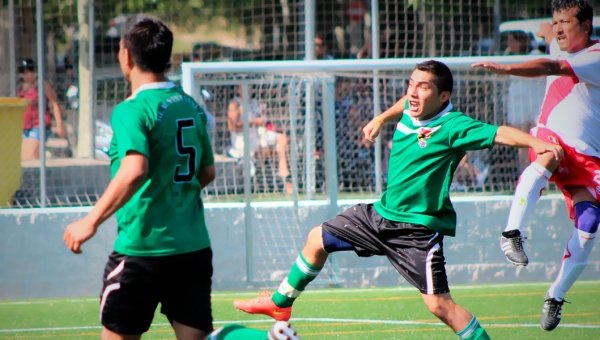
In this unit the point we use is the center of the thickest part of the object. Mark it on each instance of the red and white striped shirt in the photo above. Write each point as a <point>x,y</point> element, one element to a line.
<point>571,106</point>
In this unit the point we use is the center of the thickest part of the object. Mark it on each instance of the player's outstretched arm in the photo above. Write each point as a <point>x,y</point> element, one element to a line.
<point>126,182</point>
<point>372,129</point>
<point>533,68</point>
<point>510,136</point>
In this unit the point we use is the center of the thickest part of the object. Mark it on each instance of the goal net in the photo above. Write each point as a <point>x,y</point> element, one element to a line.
<point>290,103</point>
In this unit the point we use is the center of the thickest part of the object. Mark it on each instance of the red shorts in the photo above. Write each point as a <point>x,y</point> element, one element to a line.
<point>575,169</point>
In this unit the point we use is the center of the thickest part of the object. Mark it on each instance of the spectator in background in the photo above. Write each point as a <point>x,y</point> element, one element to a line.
<point>356,11</point>
<point>470,174</point>
<point>31,124</point>
<point>263,136</point>
<point>235,125</point>
<point>517,43</point>
<point>321,52</point>
<point>387,44</point>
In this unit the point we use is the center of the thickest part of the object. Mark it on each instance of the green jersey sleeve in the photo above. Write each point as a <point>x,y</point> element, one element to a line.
<point>130,129</point>
<point>471,134</point>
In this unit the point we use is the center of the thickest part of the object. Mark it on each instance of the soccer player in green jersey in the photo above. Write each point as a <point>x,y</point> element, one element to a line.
<point>161,158</point>
<point>414,215</point>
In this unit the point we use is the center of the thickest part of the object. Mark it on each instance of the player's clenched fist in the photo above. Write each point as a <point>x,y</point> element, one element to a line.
<point>543,147</point>
<point>77,233</point>
<point>371,130</point>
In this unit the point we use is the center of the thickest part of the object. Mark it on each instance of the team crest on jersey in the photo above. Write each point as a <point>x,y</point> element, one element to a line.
<point>423,134</point>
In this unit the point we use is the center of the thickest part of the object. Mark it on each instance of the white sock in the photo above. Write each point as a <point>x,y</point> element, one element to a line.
<point>529,190</point>
<point>574,261</point>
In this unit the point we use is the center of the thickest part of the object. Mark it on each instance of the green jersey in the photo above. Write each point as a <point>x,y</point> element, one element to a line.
<point>165,216</point>
<point>422,162</point>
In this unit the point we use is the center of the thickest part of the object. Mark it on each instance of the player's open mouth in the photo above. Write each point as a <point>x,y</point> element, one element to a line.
<point>413,105</point>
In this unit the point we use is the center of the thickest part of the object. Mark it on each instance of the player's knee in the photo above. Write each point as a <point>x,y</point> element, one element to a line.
<point>439,305</point>
<point>587,219</point>
<point>314,240</point>
<point>438,309</point>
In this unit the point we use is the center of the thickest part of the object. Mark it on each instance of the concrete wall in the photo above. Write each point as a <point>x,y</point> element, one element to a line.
<point>34,262</point>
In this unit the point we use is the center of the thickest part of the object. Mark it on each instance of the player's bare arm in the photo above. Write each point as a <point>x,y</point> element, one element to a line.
<point>372,129</point>
<point>56,110</point>
<point>206,175</point>
<point>131,173</point>
<point>510,136</point>
<point>533,68</point>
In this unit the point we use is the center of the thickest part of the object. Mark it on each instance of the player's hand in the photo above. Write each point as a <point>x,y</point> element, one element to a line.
<point>491,66</point>
<point>78,233</point>
<point>543,147</point>
<point>371,131</point>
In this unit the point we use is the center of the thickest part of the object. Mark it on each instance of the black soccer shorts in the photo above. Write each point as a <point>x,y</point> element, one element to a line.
<point>134,285</point>
<point>414,250</point>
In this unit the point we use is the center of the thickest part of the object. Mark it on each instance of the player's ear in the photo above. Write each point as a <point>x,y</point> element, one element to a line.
<point>445,96</point>
<point>125,58</point>
<point>587,26</point>
<point>128,58</point>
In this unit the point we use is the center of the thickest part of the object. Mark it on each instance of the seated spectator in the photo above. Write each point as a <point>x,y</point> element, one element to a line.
<point>263,138</point>
<point>470,175</point>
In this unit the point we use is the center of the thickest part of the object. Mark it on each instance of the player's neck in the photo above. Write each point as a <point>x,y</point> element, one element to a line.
<point>139,78</point>
<point>435,113</point>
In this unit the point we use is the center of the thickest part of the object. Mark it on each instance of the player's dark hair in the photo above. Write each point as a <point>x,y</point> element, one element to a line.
<point>584,10</point>
<point>149,41</point>
<point>443,76</point>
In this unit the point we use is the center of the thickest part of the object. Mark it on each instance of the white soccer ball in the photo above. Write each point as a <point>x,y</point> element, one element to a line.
<point>282,330</point>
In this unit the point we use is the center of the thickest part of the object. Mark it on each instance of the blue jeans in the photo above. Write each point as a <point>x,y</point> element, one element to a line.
<point>34,133</point>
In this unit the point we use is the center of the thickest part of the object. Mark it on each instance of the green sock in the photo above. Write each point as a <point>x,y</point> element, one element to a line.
<point>237,332</point>
<point>301,274</point>
<point>473,331</point>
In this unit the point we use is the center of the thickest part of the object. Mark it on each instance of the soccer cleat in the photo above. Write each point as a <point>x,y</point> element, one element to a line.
<point>264,305</point>
<point>511,243</point>
<point>551,313</point>
<point>282,330</point>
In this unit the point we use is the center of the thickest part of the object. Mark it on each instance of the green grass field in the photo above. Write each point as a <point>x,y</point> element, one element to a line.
<point>506,311</point>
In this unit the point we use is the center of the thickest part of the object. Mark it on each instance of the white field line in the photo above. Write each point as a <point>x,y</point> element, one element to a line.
<point>323,320</point>
<point>315,291</point>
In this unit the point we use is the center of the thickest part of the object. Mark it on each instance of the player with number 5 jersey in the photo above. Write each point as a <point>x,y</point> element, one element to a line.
<point>161,158</point>
<point>165,215</point>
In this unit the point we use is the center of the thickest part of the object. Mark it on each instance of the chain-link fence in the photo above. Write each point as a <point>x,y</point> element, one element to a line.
<point>250,30</point>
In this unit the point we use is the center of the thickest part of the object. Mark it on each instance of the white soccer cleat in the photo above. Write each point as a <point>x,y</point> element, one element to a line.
<point>511,243</point>
<point>282,330</point>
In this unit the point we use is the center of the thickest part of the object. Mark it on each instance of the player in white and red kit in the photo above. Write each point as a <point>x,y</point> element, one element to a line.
<point>570,116</point>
